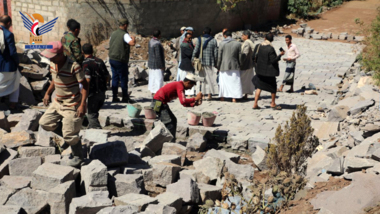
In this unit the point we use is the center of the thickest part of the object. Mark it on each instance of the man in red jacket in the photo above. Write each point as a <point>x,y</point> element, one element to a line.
<point>170,92</point>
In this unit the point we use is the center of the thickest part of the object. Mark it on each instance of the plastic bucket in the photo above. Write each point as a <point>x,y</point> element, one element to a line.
<point>134,110</point>
<point>193,118</point>
<point>149,113</point>
<point>208,119</point>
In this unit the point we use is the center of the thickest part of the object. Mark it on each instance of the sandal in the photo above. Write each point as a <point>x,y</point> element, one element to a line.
<point>276,108</point>
<point>257,108</point>
<point>289,91</point>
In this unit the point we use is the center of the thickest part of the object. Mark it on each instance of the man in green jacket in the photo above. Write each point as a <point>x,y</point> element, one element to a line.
<point>71,42</point>
<point>119,51</point>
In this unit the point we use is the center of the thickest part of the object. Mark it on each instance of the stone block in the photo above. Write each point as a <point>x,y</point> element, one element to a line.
<point>137,200</point>
<point>29,121</point>
<point>241,171</point>
<point>182,132</point>
<point>5,157</point>
<point>237,143</point>
<point>15,182</point>
<point>157,137</point>
<point>259,157</point>
<point>260,140</point>
<point>4,122</point>
<point>90,203</point>
<point>61,196</point>
<point>16,139</point>
<point>5,193</point>
<point>45,138</point>
<point>336,168</point>
<point>94,174</point>
<point>197,176</point>
<point>92,136</point>
<point>197,142</point>
<point>35,151</point>
<point>55,159</point>
<point>130,183</point>
<point>174,159</point>
<point>26,94</point>
<point>39,85</point>
<point>32,201</point>
<point>361,106</point>
<point>338,114</point>
<point>119,210</point>
<point>146,152</point>
<point>359,38</point>
<point>170,199</point>
<point>24,166</point>
<point>300,31</point>
<point>174,149</point>
<point>342,37</point>
<point>210,166</point>
<point>48,176</point>
<point>350,38</point>
<point>187,189</point>
<point>222,155</point>
<point>317,36</point>
<point>303,25</point>
<point>335,36</point>
<point>209,192</point>
<point>352,164</point>
<point>160,209</point>
<point>165,173</point>
<point>111,153</point>
<point>11,209</point>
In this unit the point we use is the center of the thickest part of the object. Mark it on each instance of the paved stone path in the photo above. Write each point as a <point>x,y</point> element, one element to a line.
<point>321,63</point>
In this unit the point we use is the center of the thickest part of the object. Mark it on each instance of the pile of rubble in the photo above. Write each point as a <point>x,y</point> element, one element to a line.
<point>309,33</point>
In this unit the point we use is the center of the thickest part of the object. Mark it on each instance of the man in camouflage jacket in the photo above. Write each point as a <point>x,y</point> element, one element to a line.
<point>71,42</point>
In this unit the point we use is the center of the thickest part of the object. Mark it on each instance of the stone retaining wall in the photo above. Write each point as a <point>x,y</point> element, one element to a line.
<point>98,17</point>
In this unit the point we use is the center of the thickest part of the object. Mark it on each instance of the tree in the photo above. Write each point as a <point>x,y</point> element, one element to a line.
<point>227,5</point>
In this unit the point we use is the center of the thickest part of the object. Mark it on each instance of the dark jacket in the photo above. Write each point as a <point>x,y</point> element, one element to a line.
<point>156,58</point>
<point>8,59</point>
<point>186,54</point>
<point>267,61</point>
<point>119,50</point>
<point>229,55</point>
<point>95,70</point>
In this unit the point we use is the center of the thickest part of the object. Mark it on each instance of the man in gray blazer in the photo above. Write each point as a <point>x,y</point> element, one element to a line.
<point>229,61</point>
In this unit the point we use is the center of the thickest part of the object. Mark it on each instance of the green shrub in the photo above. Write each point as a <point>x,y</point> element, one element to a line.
<point>293,144</point>
<point>306,8</point>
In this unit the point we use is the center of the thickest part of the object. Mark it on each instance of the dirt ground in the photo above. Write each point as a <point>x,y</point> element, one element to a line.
<point>303,206</point>
<point>342,18</point>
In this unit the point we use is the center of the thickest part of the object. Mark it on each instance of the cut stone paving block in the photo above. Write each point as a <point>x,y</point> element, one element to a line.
<point>26,95</point>
<point>210,166</point>
<point>260,140</point>
<point>237,143</point>
<point>55,159</point>
<point>16,139</point>
<point>29,121</point>
<point>160,209</point>
<point>39,85</point>
<point>5,194</point>
<point>35,151</point>
<point>222,155</point>
<point>338,114</point>
<point>11,209</point>
<point>174,159</point>
<point>45,138</point>
<point>209,192</point>
<point>361,106</point>
<point>24,166</point>
<point>93,136</point>
<point>94,174</point>
<point>197,142</point>
<point>241,171</point>
<point>182,132</point>
<point>130,183</point>
<point>90,203</point>
<point>197,176</point>
<point>48,176</point>
<point>4,122</point>
<point>61,196</point>
<point>141,201</point>
<point>15,182</point>
<point>260,158</point>
<point>170,199</point>
<point>356,164</point>
<point>187,189</point>
<point>5,157</point>
<point>174,149</point>
<point>357,136</point>
<point>32,201</point>
<point>336,168</point>
<point>119,210</point>
<point>157,137</point>
<point>376,155</point>
<point>324,129</point>
<point>165,173</point>
<point>111,153</point>
<point>342,37</point>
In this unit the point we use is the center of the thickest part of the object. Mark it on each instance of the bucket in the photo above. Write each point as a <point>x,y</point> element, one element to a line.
<point>208,119</point>
<point>149,113</point>
<point>134,110</point>
<point>193,118</point>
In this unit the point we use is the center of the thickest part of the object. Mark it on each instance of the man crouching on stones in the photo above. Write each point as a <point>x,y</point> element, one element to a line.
<point>69,106</point>
<point>170,92</point>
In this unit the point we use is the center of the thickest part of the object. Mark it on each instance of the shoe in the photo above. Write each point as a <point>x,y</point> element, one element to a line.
<point>115,100</point>
<point>125,100</point>
<point>77,155</point>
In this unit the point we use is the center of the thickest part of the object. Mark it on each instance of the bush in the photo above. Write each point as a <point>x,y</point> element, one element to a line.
<point>227,5</point>
<point>305,8</point>
<point>371,53</point>
<point>294,144</point>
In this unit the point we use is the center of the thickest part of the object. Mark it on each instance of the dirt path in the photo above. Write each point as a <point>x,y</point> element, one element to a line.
<point>342,18</point>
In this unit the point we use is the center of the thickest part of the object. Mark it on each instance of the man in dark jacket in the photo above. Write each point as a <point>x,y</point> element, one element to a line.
<point>266,70</point>
<point>97,76</point>
<point>71,42</point>
<point>186,65</point>
<point>9,76</point>
<point>156,63</point>
<point>120,43</point>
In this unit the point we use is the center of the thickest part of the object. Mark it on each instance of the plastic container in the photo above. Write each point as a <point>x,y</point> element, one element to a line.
<point>208,119</point>
<point>134,110</point>
<point>193,118</point>
<point>149,113</point>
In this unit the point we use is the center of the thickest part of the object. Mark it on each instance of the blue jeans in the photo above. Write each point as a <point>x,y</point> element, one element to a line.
<point>119,73</point>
